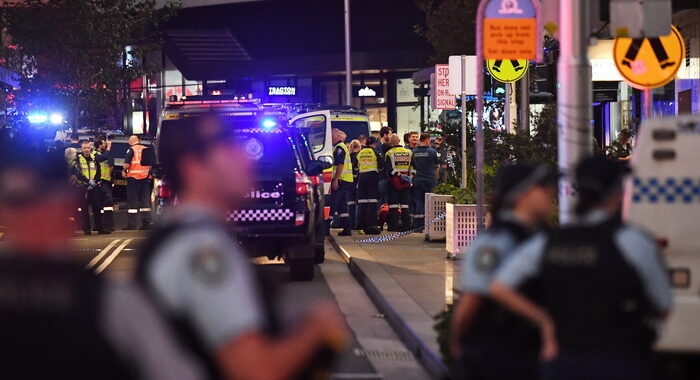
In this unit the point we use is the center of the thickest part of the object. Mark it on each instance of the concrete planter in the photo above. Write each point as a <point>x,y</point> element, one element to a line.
<point>434,206</point>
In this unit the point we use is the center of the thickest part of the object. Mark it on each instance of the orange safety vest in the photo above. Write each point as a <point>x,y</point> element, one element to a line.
<point>136,170</point>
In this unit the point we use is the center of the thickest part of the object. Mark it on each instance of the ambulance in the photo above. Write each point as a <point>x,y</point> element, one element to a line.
<point>317,124</point>
<point>663,196</point>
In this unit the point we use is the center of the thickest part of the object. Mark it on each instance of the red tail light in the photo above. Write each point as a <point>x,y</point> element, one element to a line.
<point>315,180</point>
<point>327,176</point>
<point>303,184</point>
<point>164,191</point>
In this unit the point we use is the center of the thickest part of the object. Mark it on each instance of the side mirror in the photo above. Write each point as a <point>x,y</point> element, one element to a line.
<point>157,171</point>
<point>326,161</point>
<point>316,167</point>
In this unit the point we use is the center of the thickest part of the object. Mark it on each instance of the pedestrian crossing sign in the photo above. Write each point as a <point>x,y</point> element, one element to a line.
<point>507,71</point>
<point>649,62</point>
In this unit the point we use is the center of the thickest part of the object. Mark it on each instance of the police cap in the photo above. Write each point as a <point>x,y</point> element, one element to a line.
<point>600,177</point>
<point>513,180</point>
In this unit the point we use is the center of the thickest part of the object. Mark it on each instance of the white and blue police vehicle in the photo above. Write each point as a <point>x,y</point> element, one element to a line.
<point>282,216</point>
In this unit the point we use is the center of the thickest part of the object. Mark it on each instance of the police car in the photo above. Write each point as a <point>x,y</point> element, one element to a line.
<point>663,196</point>
<point>282,216</point>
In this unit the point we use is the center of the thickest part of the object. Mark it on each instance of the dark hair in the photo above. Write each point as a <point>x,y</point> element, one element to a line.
<point>74,136</point>
<point>385,131</point>
<point>407,137</point>
<point>424,136</point>
<point>596,179</point>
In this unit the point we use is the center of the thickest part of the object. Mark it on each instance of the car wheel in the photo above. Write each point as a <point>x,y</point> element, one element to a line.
<point>301,269</point>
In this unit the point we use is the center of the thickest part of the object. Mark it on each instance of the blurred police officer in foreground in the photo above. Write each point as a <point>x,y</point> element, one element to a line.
<point>370,165</point>
<point>88,173</point>
<point>342,182</point>
<point>60,321</point>
<point>601,283</point>
<point>397,166</point>
<point>198,276</point>
<point>489,341</point>
<point>104,158</point>
<point>138,190</point>
<point>426,171</point>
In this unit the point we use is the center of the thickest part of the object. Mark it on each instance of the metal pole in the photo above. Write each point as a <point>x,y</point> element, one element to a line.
<point>574,98</point>
<point>506,110</point>
<point>480,116</point>
<point>348,64</point>
<point>465,157</point>
<point>524,105</point>
<point>648,104</point>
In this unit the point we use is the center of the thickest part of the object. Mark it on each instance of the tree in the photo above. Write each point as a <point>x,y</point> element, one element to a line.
<point>449,27</point>
<point>76,49</point>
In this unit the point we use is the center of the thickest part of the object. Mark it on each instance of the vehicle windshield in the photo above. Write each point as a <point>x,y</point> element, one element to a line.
<point>314,129</point>
<point>352,128</point>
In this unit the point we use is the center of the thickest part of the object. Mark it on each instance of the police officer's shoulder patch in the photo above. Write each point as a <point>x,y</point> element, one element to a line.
<point>209,265</point>
<point>487,259</point>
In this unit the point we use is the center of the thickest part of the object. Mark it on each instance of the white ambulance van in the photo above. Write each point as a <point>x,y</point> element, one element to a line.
<point>663,196</point>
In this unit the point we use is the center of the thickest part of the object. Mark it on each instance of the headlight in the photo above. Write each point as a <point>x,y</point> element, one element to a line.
<point>56,118</point>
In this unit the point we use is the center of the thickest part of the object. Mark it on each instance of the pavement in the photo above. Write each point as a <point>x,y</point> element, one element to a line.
<point>410,280</point>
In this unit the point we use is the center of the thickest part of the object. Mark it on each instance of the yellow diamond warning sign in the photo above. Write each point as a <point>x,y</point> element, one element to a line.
<point>649,62</point>
<point>507,71</point>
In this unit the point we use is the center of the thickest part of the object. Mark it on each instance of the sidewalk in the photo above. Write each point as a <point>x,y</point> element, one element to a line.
<point>410,281</point>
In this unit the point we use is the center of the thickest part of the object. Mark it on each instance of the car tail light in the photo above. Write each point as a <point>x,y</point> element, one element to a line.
<point>315,180</point>
<point>327,176</point>
<point>303,184</point>
<point>299,220</point>
<point>164,191</point>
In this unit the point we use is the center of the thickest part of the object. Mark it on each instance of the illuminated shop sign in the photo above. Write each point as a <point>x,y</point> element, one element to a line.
<point>284,91</point>
<point>368,91</point>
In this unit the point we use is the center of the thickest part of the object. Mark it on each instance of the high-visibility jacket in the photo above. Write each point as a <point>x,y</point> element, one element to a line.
<point>367,160</point>
<point>136,170</point>
<point>105,171</point>
<point>346,175</point>
<point>87,168</point>
<point>399,161</point>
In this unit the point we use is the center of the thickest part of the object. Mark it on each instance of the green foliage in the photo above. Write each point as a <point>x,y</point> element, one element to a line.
<point>445,189</point>
<point>442,327</point>
<point>463,197</point>
<point>76,48</point>
<point>449,27</point>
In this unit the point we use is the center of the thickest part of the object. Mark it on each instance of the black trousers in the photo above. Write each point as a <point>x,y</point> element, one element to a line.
<point>107,201</point>
<point>399,199</point>
<point>368,200</point>
<point>339,203</point>
<point>91,199</point>
<point>138,201</point>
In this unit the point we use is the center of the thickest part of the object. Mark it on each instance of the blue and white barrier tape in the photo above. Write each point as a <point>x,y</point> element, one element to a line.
<point>397,235</point>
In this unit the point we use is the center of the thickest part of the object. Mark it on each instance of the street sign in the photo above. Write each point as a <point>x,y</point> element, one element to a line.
<point>443,100</point>
<point>640,18</point>
<point>510,30</point>
<point>459,78</point>
<point>507,71</point>
<point>649,62</point>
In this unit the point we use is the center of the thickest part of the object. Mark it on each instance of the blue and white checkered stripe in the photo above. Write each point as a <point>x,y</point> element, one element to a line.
<point>668,190</point>
<point>260,215</point>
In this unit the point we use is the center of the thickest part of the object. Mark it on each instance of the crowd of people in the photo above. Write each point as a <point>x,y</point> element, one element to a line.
<point>381,180</point>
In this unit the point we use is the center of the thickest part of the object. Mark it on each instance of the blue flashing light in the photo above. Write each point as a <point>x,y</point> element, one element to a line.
<point>269,123</point>
<point>56,118</point>
<point>37,118</point>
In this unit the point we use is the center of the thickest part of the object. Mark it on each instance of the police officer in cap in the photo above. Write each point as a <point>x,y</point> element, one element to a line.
<point>426,171</point>
<point>88,172</point>
<point>370,165</point>
<point>60,321</point>
<point>601,285</point>
<point>104,158</point>
<point>488,341</point>
<point>199,277</point>
<point>342,183</point>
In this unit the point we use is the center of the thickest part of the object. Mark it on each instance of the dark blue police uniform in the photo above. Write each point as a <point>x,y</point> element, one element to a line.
<point>425,164</point>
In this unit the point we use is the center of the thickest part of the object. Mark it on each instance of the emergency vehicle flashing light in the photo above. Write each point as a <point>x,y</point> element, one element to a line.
<point>269,123</point>
<point>37,118</point>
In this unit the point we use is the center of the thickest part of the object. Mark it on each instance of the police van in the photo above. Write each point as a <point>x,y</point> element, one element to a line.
<point>316,124</point>
<point>663,196</point>
<point>281,216</point>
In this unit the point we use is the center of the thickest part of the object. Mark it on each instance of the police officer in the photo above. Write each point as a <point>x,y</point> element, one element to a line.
<point>104,158</point>
<point>354,148</point>
<point>426,170</point>
<point>138,189</point>
<point>601,285</point>
<point>370,164</point>
<point>87,171</point>
<point>488,341</point>
<point>621,149</point>
<point>60,321</point>
<point>199,277</point>
<point>398,167</point>
<point>383,146</point>
<point>342,182</point>
<point>442,158</point>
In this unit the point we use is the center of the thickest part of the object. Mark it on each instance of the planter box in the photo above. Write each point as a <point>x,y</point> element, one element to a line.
<point>461,227</point>
<point>434,206</point>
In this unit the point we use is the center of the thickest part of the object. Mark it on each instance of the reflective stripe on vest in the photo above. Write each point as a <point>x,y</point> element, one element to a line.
<point>367,160</point>
<point>88,169</point>
<point>136,170</point>
<point>346,175</point>
<point>400,160</point>
<point>105,171</point>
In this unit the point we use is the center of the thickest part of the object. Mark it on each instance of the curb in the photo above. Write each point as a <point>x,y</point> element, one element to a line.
<point>430,360</point>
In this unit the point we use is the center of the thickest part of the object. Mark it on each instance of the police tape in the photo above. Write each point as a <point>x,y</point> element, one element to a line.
<point>397,235</point>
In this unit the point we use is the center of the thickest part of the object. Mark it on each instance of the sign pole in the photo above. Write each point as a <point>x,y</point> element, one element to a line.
<point>648,104</point>
<point>465,156</point>
<point>574,99</point>
<point>525,104</point>
<point>348,64</point>
<point>506,110</point>
<point>480,115</point>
